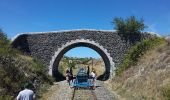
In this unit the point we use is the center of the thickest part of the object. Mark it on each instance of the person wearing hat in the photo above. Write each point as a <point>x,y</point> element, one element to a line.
<point>27,93</point>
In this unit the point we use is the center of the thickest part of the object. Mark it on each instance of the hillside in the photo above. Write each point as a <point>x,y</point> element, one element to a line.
<point>149,79</point>
<point>17,69</point>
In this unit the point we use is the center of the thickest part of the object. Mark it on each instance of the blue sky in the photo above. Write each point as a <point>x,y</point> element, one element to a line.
<point>82,52</point>
<point>19,16</point>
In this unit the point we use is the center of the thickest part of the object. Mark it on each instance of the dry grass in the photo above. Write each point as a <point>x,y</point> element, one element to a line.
<point>26,57</point>
<point>146,80</point>
<point>98,66</point>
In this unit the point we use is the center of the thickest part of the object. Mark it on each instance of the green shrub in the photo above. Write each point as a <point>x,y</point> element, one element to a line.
<point>3,38</point>
<point>17,69</point>
<point>129,28</point>
<point>6,97</point>
<point>137,51</point>
<point>166,92</point>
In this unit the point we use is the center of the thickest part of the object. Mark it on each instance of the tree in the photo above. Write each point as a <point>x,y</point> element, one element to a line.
<point>129,28</point>
<point>3,38</point>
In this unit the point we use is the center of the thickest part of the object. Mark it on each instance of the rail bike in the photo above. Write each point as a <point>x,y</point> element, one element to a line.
<point>82,80</point>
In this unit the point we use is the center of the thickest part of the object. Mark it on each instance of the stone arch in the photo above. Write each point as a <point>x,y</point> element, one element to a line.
<point>48,47</point>
<point>109,64</point>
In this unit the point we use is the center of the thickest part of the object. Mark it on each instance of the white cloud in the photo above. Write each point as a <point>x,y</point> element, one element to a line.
<point>152,28</point>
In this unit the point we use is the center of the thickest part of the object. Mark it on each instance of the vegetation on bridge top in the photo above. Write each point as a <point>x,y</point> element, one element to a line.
<point>129,28</point>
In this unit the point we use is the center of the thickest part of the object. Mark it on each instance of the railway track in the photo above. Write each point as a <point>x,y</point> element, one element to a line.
<point>83,94</point>
<point>83,84</point>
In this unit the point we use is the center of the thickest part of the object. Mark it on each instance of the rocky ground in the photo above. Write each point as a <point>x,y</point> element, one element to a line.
<point>61,91</point>
<point>102,92</point>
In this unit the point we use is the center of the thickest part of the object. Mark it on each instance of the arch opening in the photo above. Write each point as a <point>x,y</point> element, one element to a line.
<point>109,64</point>
<point>81,57</point>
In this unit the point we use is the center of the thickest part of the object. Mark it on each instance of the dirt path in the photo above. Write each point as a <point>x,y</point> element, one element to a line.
<point>61,91</point>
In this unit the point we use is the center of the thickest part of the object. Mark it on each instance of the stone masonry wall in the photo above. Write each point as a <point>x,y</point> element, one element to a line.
<point>44,45</point>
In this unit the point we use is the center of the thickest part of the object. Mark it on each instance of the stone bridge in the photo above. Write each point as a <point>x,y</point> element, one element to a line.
<point>49,47</point>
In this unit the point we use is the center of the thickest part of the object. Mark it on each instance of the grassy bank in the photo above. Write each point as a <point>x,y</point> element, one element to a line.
<point>17,69</point>
<point>137,51</point>
<point>147,76</point>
